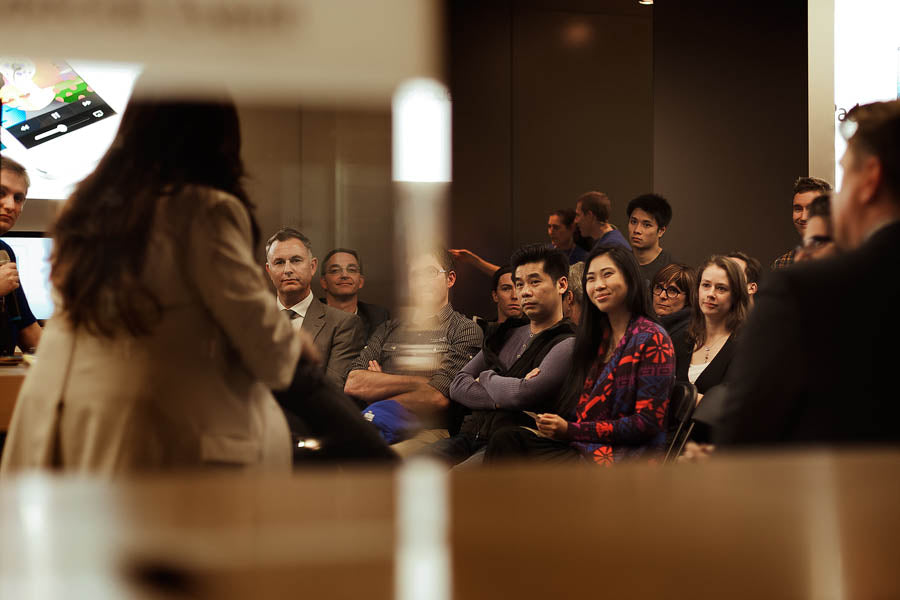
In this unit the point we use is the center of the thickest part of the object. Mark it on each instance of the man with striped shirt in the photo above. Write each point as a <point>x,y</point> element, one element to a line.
<point>403,375</point>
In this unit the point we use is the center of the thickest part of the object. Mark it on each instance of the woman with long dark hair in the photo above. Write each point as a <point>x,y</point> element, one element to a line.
<point>624,367</point>
<point>165,335</point>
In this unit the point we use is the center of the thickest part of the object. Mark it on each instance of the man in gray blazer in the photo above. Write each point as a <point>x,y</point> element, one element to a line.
<point>338,335</point>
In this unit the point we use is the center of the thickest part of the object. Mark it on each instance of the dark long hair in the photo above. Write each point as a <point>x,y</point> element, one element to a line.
<point>740,299</point>
<point>102,233</point>
<point>594,325</point>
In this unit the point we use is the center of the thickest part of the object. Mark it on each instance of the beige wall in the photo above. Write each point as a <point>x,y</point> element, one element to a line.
<point>821,89</point>
<point>326,172</point>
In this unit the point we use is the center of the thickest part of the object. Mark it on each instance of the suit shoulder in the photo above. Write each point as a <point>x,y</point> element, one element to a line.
<point>339,316</point>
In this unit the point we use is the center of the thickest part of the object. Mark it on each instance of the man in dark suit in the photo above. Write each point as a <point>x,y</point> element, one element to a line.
<point>342,278</point>
<point>338,335</point>
<point>818,359</point>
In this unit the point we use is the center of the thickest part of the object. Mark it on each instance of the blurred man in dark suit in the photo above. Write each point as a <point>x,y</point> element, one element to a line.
<point>818,359</point>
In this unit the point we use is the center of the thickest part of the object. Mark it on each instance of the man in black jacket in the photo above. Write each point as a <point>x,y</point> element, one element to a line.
<point>800,377</point>
<point>522,365</point>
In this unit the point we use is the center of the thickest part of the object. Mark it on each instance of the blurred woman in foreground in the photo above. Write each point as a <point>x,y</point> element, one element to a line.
<point>165,336</point>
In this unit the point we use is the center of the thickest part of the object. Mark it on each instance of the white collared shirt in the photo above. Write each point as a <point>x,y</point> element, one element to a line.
<point>300,308</point>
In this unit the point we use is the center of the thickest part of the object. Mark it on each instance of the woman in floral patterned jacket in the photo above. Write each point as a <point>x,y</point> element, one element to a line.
<point>624,368</point>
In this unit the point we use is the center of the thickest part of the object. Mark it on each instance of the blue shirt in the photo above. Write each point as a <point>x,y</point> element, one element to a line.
<point>613,238</point>
<point>13,320</point>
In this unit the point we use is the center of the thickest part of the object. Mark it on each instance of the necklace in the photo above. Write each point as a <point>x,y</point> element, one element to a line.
<point>709,347</point>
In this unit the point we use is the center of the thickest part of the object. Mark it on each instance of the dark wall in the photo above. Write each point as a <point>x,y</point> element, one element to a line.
<point>702,101</point>
<point>730,123</point>
<point>550,99</point>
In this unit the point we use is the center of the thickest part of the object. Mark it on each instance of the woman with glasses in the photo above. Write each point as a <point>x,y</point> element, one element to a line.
<point>674,293</point>
<point>622,376</point>
<point>703,352</point>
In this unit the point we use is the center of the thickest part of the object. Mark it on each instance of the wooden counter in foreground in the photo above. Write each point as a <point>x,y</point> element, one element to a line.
<point>815,525</point>
<point>11,378</point>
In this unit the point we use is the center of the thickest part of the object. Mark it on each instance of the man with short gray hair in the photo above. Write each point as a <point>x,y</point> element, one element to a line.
<point>338,335</point>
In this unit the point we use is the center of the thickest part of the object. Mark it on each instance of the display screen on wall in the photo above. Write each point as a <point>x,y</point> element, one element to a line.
<point>866,58</point>
<point>60,116</point>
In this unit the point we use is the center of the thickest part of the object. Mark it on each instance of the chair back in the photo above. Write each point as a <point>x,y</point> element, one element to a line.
<point>682,402</point>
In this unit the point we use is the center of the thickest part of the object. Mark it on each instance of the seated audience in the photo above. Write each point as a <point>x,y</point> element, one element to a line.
<point>342,277</point>
<point>674,294</point>
<point>806,189</point>
<point>622,376</point>
<point>338,335</point>
<point>522,364</point>
<point>573,300</point>
<point>648,219</point>
<point>817,238</point>
<point>405,371</point>
<point>800,376</point>
<point>752,270</point>
<point>561,229</point>
<point>704,352</point>
<point>592,211</point>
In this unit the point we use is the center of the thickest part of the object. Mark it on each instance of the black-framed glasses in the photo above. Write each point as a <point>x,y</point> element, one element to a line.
<point>666,292</point>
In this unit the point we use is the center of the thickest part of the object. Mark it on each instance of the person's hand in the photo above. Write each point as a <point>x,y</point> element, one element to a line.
<point>374,366</point>
<point>533,373</point>
<point>694,453</point>
<point>308,351</point>
<point>463,255</point>
<point>553,426</point>
<point>9,278</point>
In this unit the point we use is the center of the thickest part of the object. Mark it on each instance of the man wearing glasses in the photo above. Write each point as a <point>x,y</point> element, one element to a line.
<point>338,335</point>
<point>403,375</point>
<point>342,278</point>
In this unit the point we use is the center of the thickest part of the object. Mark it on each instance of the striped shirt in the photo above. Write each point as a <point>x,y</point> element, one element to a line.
<point>437,352</point>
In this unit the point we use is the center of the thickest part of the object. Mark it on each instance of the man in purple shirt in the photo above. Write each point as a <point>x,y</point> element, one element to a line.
<point>522,365</point>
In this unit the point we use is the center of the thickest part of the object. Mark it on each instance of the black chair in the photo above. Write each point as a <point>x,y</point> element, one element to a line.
<point>679,418</point>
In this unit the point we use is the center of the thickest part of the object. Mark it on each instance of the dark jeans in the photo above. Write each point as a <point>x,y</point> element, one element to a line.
<point>454,449</point>
<point>517,443</point>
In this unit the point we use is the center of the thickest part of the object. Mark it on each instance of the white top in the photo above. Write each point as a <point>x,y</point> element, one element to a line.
<point>300,308</point>
<point>695,370</point>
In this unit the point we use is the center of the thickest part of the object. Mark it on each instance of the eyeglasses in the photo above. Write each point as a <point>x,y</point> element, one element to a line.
<point>667,292</point>
<point>425,273</point>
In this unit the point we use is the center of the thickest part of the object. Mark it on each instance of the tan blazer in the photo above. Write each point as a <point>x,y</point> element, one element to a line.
<point>338,335</point>
<point>191,393</point>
